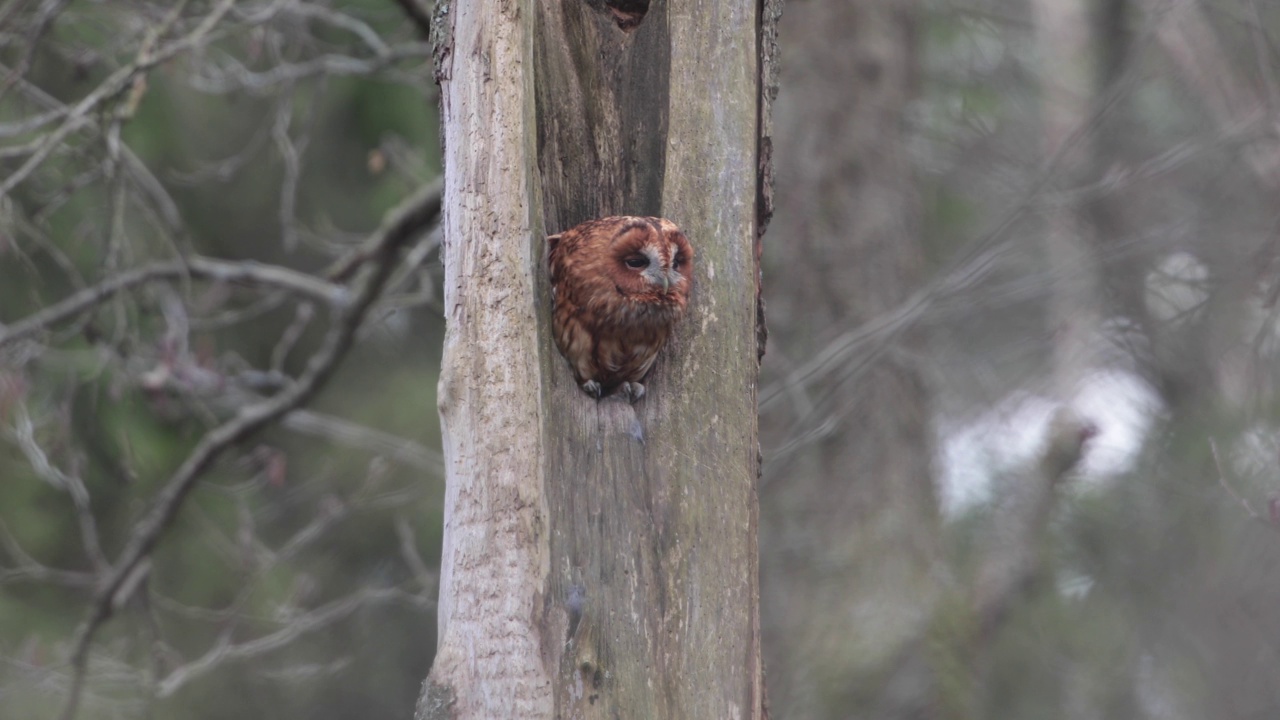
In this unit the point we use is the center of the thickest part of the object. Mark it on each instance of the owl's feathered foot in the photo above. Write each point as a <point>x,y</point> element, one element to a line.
<point>633,390</point>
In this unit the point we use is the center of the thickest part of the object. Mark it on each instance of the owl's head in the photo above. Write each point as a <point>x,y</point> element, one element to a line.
<point>652,261</point>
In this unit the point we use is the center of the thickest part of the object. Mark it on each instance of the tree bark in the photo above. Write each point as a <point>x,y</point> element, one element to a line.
<point>599,558</point>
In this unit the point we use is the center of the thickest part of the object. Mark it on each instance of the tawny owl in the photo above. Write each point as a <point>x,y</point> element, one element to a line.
<point>619,284</point>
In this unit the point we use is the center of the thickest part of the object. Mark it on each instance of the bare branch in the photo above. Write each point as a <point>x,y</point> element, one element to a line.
<point>402,226</point>
<point>291,154</point>
<point>48,13</point>
<point>237,77</point>
<point>30,570</point>
<point>426,577</point>
<point>166,207</point>
<point>70,483</point>
<point>1235,103</point>
<point>297,627</point>
<point>352,434</point>
<point>1013,560</point>
<point>242,272</point>
<point>30,124</point>
<point>116,83</point>
<point>428,201</point>
<point>289,338</point>
<point>356,27</point>
<point>1248,507</point>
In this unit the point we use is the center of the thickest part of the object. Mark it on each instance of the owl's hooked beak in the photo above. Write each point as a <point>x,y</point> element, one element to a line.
<point>657,276</point>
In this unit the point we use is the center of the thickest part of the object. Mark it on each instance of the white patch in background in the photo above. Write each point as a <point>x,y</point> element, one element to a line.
<point>1073,585</point>
<point>1160,689</point>
<point>1177,287</point>
<point>1262,324</point>
<point>1009,437</point>
<point>995,442</point>
<point>1255,456</point>
<point>1123,406</point>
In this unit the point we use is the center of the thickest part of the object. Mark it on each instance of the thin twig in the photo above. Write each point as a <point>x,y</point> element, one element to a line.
<point>236,77</point>
<point>48,13</point>
<point>117,82</point>
<point>30,570</point>
<point>360,29</point>
<point>291,155</point>
<point>226,271</point>
<point>427,578</point>
<point>1222,480</point>
<point>70,483</point>
<point>969,268</point>
<point>429,197</point>
<point>336,429</point>
<point>142,175</point>
<point>289,338</point>
<point>296,628</point>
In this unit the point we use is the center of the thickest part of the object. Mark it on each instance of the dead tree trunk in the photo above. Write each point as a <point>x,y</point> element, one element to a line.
<point>599,558</point>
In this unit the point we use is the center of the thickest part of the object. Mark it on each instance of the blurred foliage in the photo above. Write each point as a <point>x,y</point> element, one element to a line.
<point>1151,577</point>
<point>289,172</point>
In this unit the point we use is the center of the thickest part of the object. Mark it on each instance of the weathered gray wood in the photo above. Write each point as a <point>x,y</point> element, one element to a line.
<point>495,561</point>
<point>600,558</point>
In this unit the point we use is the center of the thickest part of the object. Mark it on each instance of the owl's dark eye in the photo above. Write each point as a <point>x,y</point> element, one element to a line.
<point>637,262</point>
<point>677,261</point>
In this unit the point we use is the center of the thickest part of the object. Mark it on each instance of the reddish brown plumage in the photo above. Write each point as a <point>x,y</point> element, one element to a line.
<point>619,284</point>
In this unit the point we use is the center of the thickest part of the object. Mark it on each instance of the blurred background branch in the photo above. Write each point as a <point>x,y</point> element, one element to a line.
<point>1021,271</point>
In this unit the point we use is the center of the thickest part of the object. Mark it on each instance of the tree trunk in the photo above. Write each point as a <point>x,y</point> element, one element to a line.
<point>1063,34</point>
<point>599,558</point>
<point>851,522</point>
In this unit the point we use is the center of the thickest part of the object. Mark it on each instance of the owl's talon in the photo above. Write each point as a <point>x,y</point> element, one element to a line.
<point>633,390</point>
<point>592,388</point>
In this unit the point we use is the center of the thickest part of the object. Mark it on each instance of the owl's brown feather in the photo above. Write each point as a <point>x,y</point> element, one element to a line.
<point>619,284</point>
